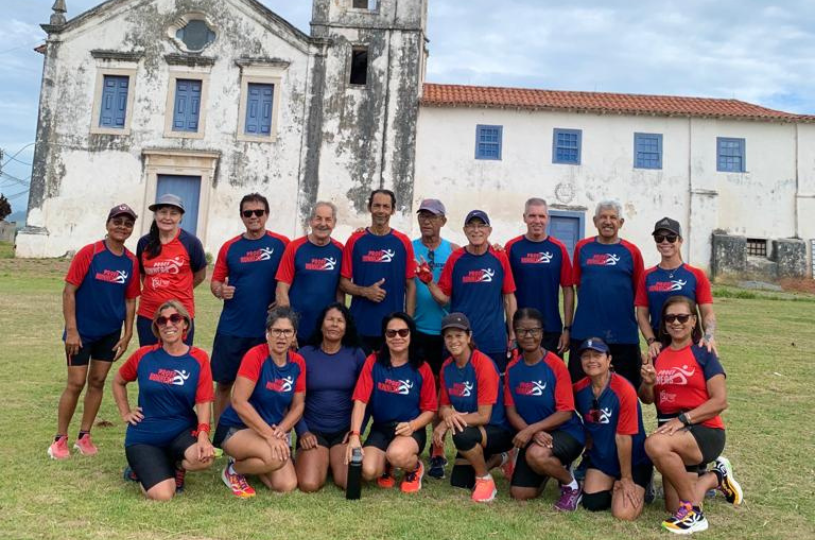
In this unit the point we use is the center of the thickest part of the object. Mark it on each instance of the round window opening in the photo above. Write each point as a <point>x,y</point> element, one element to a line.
<point>195,35</point>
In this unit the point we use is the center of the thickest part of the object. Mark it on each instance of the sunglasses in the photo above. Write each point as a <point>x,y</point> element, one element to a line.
<point>671,238</point>
<point>527,332</point>
<point>402,332</point>
<point>175,318</point>
<point>682,318</point>
<point>250,213</point>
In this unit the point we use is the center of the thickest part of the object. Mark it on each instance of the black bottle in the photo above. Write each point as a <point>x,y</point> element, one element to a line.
<point>353,486</point>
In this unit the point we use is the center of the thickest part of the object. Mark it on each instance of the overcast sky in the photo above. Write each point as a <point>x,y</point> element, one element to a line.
<point>761,51</point>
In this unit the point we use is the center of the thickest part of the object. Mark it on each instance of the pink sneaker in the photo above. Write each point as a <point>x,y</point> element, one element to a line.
<point>59,448</point>
<point>85,446</point>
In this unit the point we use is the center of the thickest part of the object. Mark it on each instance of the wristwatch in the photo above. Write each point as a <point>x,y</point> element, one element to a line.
<point>684,419</point>
<point>567,328</point>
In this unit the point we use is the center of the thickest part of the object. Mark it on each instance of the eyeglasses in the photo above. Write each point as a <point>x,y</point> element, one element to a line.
<point>284,332</point>
<point>250,213</point>
<point>125,223</point>
<point>682,318</point>
<point>174,319</point>
<point>671,238</point>
<point>402,332</point>
<point>526,332</point>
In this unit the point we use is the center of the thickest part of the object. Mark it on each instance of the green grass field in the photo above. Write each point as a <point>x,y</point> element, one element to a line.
<point>767,347</point>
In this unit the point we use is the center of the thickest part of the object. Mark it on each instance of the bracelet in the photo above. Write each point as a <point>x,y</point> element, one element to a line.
<point>202,428</point>
<point>567,328</point>
<point>352,433</point>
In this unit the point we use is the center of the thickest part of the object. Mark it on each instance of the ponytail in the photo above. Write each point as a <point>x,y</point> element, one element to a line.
<point>153,248</point>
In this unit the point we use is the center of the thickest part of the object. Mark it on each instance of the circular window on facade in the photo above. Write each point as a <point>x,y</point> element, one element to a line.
<point>195,35</point>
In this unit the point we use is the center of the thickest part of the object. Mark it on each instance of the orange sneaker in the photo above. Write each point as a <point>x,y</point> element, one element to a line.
<point>237,483</point>
<point>59,448</point>
<point>386,481</point>
<point>484,490</point>
<point>508,463</point>
<point>85,445</point>
<point>413,480</point>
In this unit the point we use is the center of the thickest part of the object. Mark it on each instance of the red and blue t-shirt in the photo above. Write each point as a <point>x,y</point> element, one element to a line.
<point>615,411</point>
<point>658,284</point>
<point>169,388</point>
<point>251,266</point>
<point>476,285</point>
<point>275,386</point>
<point>607,276</point>
<point>169,276</point>
<point>540,390</point>
<point>313,272</point>
<point>477,383</point>
<point>368,258</point>
<point>395,394</point>
<point>104,281</point>
<point>682,381</point>
<point>540,269</point>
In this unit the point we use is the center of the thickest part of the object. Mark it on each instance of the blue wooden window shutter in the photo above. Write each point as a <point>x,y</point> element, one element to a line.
<point>114,101</point>
<point>259,101</point>
<point>488,142</point>
<point>187,105</point>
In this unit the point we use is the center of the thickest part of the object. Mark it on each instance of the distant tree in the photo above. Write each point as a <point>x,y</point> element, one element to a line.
<point>5,207</point>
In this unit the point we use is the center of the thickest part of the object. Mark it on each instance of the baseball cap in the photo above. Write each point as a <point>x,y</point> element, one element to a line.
<point>434,206</point>
<point>121,210</point>
<point>668,224</point>
<point>595,344</point>
<point>479,214</point>
<point>168,199</point>
<point>455,320</point>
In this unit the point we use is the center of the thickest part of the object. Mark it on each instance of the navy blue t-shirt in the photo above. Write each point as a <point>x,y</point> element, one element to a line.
<point>477,383</point>
<point>658,284</point>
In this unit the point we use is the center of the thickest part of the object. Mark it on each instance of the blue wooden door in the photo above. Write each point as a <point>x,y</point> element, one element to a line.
<point>189,189</point>
<point>566,227</point>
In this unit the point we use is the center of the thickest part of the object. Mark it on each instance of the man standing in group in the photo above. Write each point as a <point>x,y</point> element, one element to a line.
<point>378,267</point>
<point>309,274</point>
<point>541,267</point>
<point>606,272</point>
<point>244,278</point>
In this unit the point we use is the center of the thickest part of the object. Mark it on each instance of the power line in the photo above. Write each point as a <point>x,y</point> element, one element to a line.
<point>10,197</point>
<point>17,153</point>
<point>21,181</point>
<point>22,46</point>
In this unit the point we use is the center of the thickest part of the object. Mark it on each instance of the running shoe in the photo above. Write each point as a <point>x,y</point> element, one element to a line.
<point>484,490</point>
<point>687,520</point>
<point>508,460</point>
<point>85,445</point>
<point>386,481</point>
<point>129,475</point>
<point>437,465</point>
<point>59,448</point>
<point>728,486</point>
<point>569,499</point>
<point>180,475</point>
<point>236,482</point>
<point>412,482</point>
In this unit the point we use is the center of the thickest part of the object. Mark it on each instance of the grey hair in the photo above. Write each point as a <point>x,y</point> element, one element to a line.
<point>535,201</point>
<point>282,313</point>
<point>331,205</point>
<point>609,203</point>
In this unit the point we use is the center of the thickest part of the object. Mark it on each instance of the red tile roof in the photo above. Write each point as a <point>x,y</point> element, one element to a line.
<point>451,95</point>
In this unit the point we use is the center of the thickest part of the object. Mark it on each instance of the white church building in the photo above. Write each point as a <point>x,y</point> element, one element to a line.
<point>213,99</point>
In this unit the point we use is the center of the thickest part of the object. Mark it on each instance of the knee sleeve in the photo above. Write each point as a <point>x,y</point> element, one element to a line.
<point>467,439</point>
<point>596,502</point>
<point>462,476</point>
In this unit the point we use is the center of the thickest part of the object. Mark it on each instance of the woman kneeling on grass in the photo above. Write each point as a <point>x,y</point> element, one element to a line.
<point>687,384</point>
<point>618,469</point>
<point>472,407</point>
<point>540,405</point>
<point>267,401</point>
<point>175,391</point>
<point>398,389</point>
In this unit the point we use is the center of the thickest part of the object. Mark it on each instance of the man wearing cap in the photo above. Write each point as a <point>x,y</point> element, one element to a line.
<point>477,281</point>
<point>606,272</point>
<point>541,268</point>
<point>432,249</point>
<point>99,297</point>
<point>378,267</point>
<point>244,279</point>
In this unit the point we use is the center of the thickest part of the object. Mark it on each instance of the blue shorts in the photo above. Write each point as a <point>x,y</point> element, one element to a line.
<point>227,353</point>
<point>144,327</point>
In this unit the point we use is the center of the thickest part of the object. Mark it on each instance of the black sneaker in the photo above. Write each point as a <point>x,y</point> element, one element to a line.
<point>437,465</point>
<point>728,486</point>
<point>180,475</point>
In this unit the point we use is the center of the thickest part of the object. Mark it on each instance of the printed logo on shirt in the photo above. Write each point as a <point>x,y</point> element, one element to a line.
<point>461,389</point>
<point>171,266</point>
<point>668,286</point>
<point>530,388</point>
<point>158,283</point>
<point>484,275</point>
<point>677,376</point>
<point>113,276</point>
<point>604,416</point>
<point>322,265</point>
<point>170,376</point>
<point>395,387</point>
<point>262,254</point>
<point>379,256</point>
<point>603,259</point>
<point>281,386</point>
<point>543,257</point>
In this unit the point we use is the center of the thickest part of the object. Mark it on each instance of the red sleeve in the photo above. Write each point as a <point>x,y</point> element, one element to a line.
<point>444,397</point>
<point>80,265</point>
<point>488,380</point>
<point>203,392</point>
<point>446,279</point>
<point>347,268</point>
<point>509,245</point>
<point>134,285</point>
<point>641,299</point>
<point>427,394</point>
<point>365,383</point>
<point>639,266</point>
<point>576,262</point>
<point>410,263</point>
<point>627,424</point>
<point>300,384</point>
<point>285,272</point>
<point>130,369</point>
<point>253,361</point>
<point>565,265</point>
<point>564,399</point>
<point>221,270</point>
<point>508,401</point>
<point>703,293</point>
<point>509,280</point>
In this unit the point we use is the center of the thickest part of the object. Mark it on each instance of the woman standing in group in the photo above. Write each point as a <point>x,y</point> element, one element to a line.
<point>175,392</point>
<point>172,263</point>
<point>472,407</point>
<point>540,406</point>
<point>687,384</point>
<point>618,470</point>
<point>267,401</point>
<point>334,360</point>
<point>398,389</point>
<point>672,277</point>
<point>99,295</point>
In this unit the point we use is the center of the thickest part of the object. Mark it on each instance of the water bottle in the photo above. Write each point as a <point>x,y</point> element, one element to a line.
<point>353,486</point>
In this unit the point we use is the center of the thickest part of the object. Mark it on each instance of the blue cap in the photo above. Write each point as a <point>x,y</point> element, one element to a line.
<point>168,199</point>
<point>477,214</point>
<point>595,344</point>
